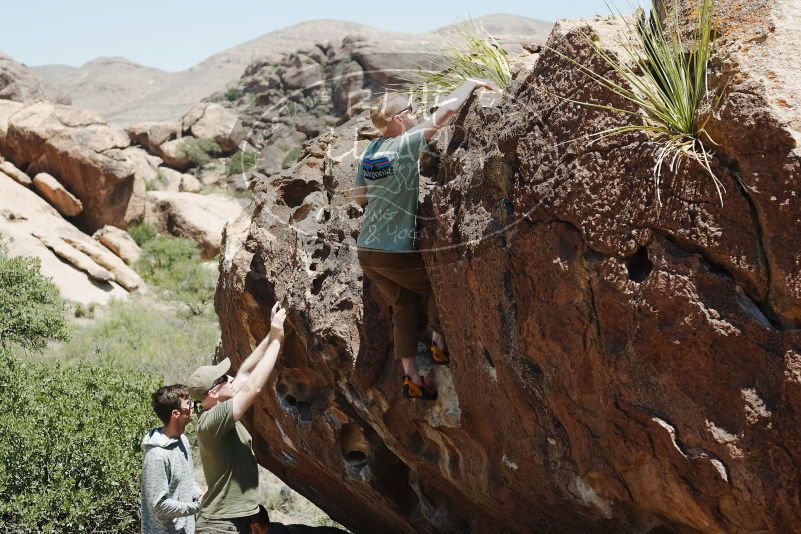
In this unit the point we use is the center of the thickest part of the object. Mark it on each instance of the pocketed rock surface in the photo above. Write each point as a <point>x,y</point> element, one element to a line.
<point>618,366</point>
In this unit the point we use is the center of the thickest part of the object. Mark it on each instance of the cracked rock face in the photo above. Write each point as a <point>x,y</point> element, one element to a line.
<point>617,366</point>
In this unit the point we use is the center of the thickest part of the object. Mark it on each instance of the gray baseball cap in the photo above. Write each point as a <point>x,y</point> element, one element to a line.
<point>201,380</point>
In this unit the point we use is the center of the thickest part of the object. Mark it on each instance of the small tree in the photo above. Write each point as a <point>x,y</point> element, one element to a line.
<point>31,309</point>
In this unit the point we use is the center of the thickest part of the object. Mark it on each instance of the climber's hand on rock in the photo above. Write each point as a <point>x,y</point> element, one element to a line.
<point>486,84</point>
<point>274,310</point>
<point>277,324</point>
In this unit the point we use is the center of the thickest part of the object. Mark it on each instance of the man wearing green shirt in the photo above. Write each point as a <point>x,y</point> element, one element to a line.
<point>387,186</point>
<point>231,503</point>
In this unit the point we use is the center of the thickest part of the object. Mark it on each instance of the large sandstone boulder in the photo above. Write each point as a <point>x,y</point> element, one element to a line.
<point>19,83</point>
<point>301,73</point>
<point>152,135</point>
<point>146,166</point>
<point>348,80</point>
<point>390,65</point>
<point>197,217</point>
<point>145,171</point>
<point>84,270</point>
<point>119,242</point>
<point>618,366</point>
<point>86,154</point>
<point>214,122</point>
<point>55,193</point>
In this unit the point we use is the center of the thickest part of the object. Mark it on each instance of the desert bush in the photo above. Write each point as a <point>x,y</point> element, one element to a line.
<point>665,80</point>
<point>233,94</point>
<point>31,309</point>
<point>241,162</point>
<point>200,151</point>
<point>69,446</point>
<point>174,266</point>
<point>87,311</point>
<point>142,233</point>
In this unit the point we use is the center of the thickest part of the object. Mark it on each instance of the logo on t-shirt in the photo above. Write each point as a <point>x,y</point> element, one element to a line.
<point>375,169</point>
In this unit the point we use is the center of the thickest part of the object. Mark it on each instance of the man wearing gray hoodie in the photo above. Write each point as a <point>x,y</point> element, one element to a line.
<point>169,497</point>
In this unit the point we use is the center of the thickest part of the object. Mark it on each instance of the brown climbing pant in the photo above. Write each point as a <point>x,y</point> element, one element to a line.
<point>400,277</point>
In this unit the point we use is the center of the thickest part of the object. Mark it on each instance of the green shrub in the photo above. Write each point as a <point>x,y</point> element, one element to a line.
<point>69,446</point>
<point>142,233</point>
<point>200,151</point>
<point>174,266</point>
<point>233,94</point>
<point>31,309</point>
<point>69,435</point>
<point>241,162</point>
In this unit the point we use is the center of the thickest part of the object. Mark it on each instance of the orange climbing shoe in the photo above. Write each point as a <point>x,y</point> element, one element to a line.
<point>413,391</point>
<point>440,357</point>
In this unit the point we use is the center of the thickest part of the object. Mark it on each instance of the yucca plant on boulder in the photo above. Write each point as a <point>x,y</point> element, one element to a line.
<point>665,80</point>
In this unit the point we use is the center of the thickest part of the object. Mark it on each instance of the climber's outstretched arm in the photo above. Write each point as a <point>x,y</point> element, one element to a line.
<point>256,356</point>
<point>450,106</point>
<point>249,389</point>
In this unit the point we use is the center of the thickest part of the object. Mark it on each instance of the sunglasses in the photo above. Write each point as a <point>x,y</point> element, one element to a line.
<point>408,108</point>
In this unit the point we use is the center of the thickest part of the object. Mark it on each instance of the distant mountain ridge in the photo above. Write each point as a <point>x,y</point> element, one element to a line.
<point>124,92</point>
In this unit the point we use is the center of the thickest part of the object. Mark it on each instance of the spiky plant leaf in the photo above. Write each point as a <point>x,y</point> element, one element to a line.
<point>468,51</point>
<point>665,80</point>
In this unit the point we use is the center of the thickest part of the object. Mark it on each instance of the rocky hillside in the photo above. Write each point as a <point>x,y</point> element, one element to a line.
<point>19,83</point>
<point>617,366</point>
<point>126,93</point>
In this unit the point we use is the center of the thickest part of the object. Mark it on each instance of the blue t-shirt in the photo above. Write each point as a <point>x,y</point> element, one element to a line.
<point>390,168</point>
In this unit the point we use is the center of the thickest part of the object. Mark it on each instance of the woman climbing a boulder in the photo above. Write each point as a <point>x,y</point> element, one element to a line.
<point>387,187</point>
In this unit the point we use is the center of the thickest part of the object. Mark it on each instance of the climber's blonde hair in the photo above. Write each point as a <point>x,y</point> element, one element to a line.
<point>385,107</point>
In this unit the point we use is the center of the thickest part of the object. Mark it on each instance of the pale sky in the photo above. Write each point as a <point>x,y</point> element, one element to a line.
<point>177,34</point>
